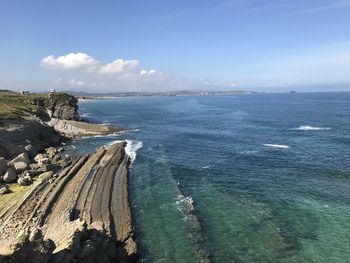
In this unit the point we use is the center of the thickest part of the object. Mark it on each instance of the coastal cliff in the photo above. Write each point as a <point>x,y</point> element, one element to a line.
<point>41,121</point>
<point>55,208</point>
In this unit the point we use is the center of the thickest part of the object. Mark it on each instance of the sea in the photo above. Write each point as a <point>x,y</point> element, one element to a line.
<point>241,178</point>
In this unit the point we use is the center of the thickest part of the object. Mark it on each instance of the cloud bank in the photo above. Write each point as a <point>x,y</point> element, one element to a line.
<point>82,70</point>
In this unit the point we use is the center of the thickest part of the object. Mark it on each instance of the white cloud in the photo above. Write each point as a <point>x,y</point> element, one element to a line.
<point>119,66</point>
<point>86,73</point>
<point>120,73</point>
<point>144,72</point>
<point>69,61</point>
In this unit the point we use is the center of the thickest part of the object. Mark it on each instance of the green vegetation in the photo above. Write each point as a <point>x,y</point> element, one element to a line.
<point>16,106</point>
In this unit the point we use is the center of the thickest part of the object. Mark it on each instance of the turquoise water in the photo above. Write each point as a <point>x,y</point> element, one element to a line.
<point>248,178</point>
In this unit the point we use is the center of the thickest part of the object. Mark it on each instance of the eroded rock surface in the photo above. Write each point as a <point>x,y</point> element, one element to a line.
<point>82,214</point>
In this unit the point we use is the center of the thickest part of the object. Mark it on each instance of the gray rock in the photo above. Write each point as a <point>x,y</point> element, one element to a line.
<point>20,166</point>
<point>34,166</point>
<point>51,152</point>
<point>42,159</point>
<point>24,181</point>
<point>3,166</point>
<point>4,189</point>
<point>23,157</point>
<point>10,175</point>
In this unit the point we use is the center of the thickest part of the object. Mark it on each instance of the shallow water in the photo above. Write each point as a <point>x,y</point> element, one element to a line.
<point>269,175</point>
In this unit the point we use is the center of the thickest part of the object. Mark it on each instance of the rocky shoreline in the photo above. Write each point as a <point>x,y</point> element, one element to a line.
<point>59,209</point>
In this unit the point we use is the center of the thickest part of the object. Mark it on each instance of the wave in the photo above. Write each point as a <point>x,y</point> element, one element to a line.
<point>184,204</point>
<point>281,146</point>
<point>131,148</point>
<point>85,115</point>
<point>116,134</point>
<point>311,128</point>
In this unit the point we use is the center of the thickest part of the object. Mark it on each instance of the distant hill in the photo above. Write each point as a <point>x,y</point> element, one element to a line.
<point>7,91</point>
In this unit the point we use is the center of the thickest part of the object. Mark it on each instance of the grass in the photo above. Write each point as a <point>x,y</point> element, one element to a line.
<point>11,200</point>
<point>15,106</point>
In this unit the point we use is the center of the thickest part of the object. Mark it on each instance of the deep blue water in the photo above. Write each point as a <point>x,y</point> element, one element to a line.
<point>264,187</point>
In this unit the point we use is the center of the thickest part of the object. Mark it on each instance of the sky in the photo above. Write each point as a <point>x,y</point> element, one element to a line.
<point>112,46</point>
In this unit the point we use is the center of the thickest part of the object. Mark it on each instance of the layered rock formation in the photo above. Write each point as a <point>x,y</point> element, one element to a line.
<point>81,214</point>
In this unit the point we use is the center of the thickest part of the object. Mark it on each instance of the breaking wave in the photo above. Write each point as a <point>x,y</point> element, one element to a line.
<point>131,148</point>
<point>311,128</point>
<point>282,146</point>
<point>184,204</point>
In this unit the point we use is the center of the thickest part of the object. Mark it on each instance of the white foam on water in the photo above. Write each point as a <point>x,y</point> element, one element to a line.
<point>113,135</point>
<point>131,148</point>
<point>311,128</point>
<point>86,114</point>
<point>184,204</point>
<point>206,167</point>
<point>281,146</point>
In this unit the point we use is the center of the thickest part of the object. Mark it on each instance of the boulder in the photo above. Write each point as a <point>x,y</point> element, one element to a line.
<point>20,166</point>
<point>23,157</point>
<point>10,175</point>
<point>51,152</point>
<point>4,189</point>
<point>25,180</point>
<point>3,166</point>
<point>31,151</point>
<point>42,159</point>
<point>34,166</point>
<point>31,173</point>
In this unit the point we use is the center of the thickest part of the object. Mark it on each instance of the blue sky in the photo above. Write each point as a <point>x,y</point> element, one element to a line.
<point>167,45</point>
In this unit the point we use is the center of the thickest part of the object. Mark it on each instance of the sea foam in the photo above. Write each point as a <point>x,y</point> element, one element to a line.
<point>131,148</point>
<point>282,146</point>
<point>184,204</point>
<point>311,128</point>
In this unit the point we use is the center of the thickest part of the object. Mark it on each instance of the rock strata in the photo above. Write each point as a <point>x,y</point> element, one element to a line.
<point>82,214</point>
